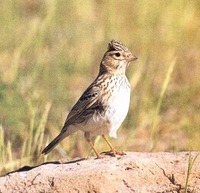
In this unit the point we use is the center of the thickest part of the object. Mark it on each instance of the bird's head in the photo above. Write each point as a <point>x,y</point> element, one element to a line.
<point>117,58</point>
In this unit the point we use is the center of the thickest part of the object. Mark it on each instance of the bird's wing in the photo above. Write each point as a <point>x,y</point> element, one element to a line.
<point>86,105</point>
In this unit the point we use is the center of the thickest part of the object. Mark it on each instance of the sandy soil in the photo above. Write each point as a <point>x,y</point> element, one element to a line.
<point>134,172</point>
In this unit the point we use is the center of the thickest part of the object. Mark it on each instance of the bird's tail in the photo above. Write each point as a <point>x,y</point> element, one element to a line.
<point>66,131</point>
<point>53,144</point>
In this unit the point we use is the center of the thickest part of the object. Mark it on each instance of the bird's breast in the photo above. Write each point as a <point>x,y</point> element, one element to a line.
<point>114,108</point>
<point>117,108</point>
<point>118,103</point>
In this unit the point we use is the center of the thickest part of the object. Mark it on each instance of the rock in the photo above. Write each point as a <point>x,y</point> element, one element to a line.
<point>134,172</point>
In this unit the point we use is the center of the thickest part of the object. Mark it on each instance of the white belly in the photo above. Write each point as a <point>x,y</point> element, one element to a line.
<point>119,105</point>
<point>110,122</point>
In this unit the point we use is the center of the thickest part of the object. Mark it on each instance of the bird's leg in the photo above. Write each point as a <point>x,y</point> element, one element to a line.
<point>91,145</point>
<point>112,149</point>
<point>109,144</point>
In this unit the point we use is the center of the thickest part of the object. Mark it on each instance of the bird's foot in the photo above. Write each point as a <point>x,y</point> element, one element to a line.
<point>119,152</point>
<point>114,152</point>
<point>99,156</point>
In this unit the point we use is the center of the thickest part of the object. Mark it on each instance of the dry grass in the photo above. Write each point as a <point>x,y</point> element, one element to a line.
<point>48,48</point>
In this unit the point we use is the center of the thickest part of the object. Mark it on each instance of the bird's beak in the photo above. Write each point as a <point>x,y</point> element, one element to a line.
<point>132,58</point>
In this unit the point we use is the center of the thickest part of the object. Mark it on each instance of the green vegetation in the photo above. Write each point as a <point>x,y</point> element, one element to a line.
<point>191,163</point>
<point>50,52</point>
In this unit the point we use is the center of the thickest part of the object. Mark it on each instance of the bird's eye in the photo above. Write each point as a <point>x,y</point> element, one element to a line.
<point>117,54</point>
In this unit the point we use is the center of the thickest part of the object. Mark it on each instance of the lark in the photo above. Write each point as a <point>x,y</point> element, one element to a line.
<point>104,105</point>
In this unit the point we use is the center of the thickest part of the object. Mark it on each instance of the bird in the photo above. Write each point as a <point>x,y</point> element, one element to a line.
<point>105,103</point>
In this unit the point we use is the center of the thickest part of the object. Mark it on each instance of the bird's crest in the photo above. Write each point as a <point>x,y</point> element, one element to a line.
<point>115,45</point>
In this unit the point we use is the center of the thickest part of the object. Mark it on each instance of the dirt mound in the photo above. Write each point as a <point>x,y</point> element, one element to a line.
<point>134,172</point>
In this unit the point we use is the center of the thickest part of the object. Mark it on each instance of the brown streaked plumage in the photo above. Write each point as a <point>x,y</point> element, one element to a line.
<point>104,105</point>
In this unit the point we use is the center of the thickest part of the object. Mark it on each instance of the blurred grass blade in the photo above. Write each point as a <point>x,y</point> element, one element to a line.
<point>191,162</point>
<point>156,115</point>
<point>39,133</point>
<point>9,151</point>
<point>32,111</point>
<point>2,145</point>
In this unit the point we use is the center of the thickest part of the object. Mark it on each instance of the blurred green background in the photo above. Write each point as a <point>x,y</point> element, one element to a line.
<point>50,52</point>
